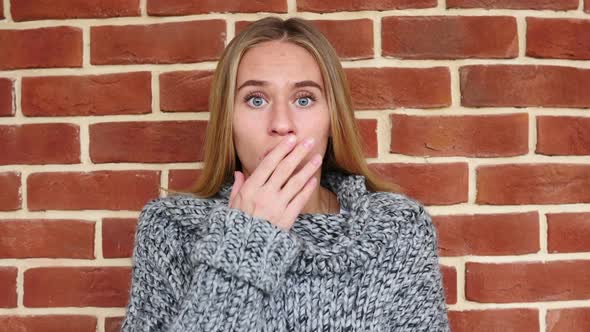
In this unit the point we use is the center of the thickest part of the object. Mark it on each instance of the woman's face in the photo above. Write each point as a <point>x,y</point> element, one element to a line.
<point>279,91</point>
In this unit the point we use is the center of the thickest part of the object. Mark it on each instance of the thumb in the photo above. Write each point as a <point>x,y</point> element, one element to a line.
<point>238,181</point>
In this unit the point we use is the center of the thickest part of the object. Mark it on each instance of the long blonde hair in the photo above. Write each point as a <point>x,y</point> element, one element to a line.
<point>344,152</point>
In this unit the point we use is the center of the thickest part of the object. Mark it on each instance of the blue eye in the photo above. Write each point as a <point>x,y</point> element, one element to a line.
<point>306,101</point>
<point>254,101</point>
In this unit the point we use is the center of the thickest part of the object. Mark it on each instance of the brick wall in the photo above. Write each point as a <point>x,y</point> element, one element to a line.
<point>478,108</point>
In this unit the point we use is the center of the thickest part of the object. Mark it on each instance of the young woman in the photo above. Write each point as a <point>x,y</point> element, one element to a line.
<point>287,229</point>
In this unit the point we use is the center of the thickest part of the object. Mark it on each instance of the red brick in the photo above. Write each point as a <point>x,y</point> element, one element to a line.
<point>8,287</point>
<point>118,237</point>
<point>185,91</point>
<point>10,198</point>
<point>449,275</point>
<point>368,132</point>
<point>515,4</point>
<point>182,179</point>
<point>586,6</point>
<point>176,42</point>
<point>568,232</point>
<point>7,106</point>
<point>47,239</point>
<point>102,190</point>
<point>348,46</point>
<point>113,324</point>
<point>488,235</point>
<point>374,88</point>
<point>418,181</point>
<point>460,135</point>
<point>524,85</point>
<point>493,320</point>
<point>347,5</point>
<point>568,319</point>
<point>558,38</point>
<point>76,287</point>
<point>563,135</point>
<point>49,323</point>
<point>527,281</point>
<point>187,7</point>
<point>449,37</point>
<point>40,143</point>
<point>41,48</point>
<point>533,184</point>
<point>26,10</point>
<point>127,93</point>
<point>147,142</point>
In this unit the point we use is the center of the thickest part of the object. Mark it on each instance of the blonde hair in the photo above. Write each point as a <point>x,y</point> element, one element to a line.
<point>344,152</point>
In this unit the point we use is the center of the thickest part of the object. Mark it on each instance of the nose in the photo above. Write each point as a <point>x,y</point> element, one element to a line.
<point>281,122</point>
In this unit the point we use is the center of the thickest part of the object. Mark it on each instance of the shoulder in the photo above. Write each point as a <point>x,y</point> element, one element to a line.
<point>405,216</point>
<point>179,205</point>
<point>395,205</point>
<point>171,213</point>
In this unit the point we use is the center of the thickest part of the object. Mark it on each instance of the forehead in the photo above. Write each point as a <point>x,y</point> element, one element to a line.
<point>278,61</point>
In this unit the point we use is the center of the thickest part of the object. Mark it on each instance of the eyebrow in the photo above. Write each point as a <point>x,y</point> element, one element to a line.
<point>265,83</point>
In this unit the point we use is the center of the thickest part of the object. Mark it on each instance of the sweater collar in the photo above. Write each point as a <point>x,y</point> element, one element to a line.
<point>334,243</point>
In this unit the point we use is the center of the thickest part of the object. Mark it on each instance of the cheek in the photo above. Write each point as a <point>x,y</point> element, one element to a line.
<point>243,117</point>
<point>241,139</point>
<point>242,123</point>
<point>246,131</point>
<point>322,124</point>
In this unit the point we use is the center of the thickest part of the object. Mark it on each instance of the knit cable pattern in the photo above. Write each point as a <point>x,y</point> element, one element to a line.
<point>199,265</point>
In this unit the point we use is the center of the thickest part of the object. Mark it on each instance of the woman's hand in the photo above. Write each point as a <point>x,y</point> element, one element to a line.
<point>267,198</point>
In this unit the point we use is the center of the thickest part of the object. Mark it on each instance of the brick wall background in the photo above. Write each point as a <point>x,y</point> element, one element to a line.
<point>478,108</point>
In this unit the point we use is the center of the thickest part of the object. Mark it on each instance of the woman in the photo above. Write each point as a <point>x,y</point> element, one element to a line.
<point>302,237</point>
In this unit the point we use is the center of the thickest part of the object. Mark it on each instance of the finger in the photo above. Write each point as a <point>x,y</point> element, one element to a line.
<point>238,181</point>
<point>233,189</point>
<point>289,164</point>
<point>238,201</point>
<point>297,204</point>
<point>297,181</point>
<point>270,162</point>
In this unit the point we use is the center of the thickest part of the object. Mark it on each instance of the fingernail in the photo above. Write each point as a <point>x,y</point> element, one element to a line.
<point>308,142</point>
<point>317,160</point>
<point>291,139</point>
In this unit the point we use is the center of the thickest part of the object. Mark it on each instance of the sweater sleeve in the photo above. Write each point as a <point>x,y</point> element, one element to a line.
<point>239,263</point>
<point>218,285</point>
<point>419,301</point>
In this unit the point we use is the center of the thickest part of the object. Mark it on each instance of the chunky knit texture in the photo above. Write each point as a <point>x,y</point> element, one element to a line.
<point>201,266</point>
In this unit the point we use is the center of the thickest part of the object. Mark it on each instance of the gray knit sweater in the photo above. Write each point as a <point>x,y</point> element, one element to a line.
<point>201,266</point>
